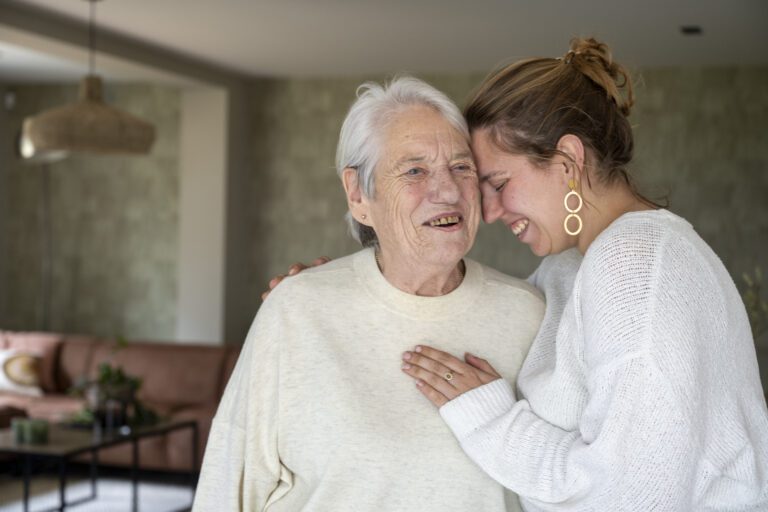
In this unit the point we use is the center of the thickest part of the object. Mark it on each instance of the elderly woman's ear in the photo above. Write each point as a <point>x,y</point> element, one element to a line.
<point>357,202</point>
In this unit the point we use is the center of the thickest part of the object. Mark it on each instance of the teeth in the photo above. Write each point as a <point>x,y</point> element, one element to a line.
<point>519,226</point>
<point>442,221</point>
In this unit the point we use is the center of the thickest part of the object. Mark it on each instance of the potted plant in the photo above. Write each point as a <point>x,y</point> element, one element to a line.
<point>111,398</point>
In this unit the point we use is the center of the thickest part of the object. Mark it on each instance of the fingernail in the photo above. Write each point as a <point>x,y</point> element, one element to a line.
<point>406,355</point>
<point>418,348</point>
<point>406,366</point>
<point>419,383</point>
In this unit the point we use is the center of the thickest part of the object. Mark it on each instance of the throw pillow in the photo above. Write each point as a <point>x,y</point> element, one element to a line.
<point>43,344</point>
<point>19,372</point>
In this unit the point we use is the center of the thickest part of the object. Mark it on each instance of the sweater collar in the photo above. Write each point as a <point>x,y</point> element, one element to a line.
<point>415,306</point>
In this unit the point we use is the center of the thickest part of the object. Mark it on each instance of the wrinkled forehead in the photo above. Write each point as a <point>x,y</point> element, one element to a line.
<point>422,134</point>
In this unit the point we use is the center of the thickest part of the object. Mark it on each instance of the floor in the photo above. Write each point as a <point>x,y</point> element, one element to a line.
<point>114,494</point>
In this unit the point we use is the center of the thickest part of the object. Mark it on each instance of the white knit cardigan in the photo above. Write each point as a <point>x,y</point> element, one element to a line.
<point>641,391</point>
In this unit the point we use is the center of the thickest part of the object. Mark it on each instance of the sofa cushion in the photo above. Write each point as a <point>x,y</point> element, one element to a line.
<point>43,344</point>
<point>179,442</point>
<point>232,353</point>
<point>75,360</point>
<point>171,373</point>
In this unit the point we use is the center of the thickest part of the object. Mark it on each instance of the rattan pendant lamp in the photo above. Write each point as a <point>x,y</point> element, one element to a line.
<point>88,125</point>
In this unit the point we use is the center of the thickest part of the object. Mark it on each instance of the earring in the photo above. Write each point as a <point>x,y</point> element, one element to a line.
<point>363,216</point>
<point>572,212</point>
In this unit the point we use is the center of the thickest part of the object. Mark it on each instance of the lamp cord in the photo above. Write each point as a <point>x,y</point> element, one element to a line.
<point>46,250</point>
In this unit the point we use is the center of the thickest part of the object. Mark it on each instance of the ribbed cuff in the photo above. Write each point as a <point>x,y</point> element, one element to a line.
<point>474,409</point>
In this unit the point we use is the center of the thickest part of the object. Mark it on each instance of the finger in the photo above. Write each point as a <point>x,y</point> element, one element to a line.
<point>265,295</point>
<point>429,364</point>
<point>481,364</point>
<point>322,260</point>
<point>434,396</point>
<point>296,268</point>
<point>438,382</point>
<point>444,358</point>
<point>276,281</point>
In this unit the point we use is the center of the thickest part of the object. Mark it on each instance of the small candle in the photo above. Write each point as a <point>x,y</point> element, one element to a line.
<point>18,428</point>
<point>37,431</point>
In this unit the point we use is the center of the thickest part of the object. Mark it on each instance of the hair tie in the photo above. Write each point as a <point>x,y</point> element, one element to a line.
<point>569,56</point>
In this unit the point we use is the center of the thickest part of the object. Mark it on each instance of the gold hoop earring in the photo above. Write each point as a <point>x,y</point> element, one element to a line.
<point>572,212</point>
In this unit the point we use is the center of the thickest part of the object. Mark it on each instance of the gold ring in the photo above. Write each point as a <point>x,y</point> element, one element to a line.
<point>448,376</point>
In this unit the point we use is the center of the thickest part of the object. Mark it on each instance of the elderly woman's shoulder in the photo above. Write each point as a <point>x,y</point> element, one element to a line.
<point>509,285</point>
<point>315,282</point>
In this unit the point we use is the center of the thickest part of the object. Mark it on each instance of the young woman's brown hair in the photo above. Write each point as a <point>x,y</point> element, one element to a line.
<point>529,105</point>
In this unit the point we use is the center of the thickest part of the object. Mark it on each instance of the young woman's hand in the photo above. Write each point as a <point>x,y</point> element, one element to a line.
<point>442,377</point>
<point>292,271</point>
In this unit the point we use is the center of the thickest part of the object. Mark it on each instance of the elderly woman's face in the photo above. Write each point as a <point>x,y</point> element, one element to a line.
<point>427,199</point>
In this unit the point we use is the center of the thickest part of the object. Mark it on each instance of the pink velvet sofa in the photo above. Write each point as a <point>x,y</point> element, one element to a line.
<point>179,381</point>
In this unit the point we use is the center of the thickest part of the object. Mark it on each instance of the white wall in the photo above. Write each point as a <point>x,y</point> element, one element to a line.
<point>6,153</point>
<point>202,217</point>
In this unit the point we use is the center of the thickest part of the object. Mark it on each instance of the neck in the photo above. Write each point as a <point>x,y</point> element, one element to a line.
<point>602,206</point>
<point>426,281</point>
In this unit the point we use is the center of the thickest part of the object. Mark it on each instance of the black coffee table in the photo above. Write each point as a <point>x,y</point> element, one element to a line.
<point>64,443</point>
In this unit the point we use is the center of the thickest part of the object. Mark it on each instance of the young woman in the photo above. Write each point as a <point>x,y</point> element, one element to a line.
<point>641,391</point>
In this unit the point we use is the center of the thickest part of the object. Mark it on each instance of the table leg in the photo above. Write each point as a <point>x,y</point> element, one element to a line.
<point>94,472</point>
<point>195,455</point>
<point>135,476</point>
<point>27,475</point>
<point>62,484</point>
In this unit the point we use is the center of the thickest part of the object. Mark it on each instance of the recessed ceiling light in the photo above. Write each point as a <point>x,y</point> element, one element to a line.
<point>691,30</point>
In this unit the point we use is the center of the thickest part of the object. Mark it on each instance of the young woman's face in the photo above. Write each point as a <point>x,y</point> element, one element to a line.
<point>526,198</point>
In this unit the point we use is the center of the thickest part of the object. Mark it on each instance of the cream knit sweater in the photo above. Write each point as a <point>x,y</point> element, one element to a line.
<point>641,391</point>
<point>317,415</point>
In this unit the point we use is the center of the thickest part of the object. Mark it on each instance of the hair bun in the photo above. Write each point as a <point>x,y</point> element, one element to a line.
<point>594,60</point>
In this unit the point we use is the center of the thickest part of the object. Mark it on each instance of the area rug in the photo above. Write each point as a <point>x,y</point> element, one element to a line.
<point>114,495</point>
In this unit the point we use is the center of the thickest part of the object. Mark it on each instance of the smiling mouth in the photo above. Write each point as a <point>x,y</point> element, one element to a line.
<point>519,227</point>
<point>444,222</point>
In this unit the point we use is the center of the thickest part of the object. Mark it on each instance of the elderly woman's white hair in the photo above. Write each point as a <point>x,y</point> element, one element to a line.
<point>361,134</point>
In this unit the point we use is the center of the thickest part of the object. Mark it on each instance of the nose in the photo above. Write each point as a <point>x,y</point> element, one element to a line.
<point>492,209</point>
<point>445,188</point>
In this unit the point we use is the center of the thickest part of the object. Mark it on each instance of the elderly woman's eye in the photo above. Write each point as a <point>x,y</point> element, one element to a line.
<point>462,168</point>
<point>413,172</point>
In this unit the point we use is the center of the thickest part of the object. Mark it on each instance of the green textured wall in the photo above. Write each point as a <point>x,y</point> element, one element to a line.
<point>114,226</point>
<point>701,139</point>
<point>701,136</point>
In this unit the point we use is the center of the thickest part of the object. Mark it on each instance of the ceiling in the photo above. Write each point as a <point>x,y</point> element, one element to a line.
<point>302,38</point>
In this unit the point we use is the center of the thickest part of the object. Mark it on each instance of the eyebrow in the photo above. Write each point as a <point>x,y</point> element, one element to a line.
<point>464,154</point>
<point>421,158</point>
<point>410,160</point>
<point>489,176</point>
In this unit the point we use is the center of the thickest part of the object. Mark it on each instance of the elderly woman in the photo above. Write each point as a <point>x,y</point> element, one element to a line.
<point>313,418</point>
